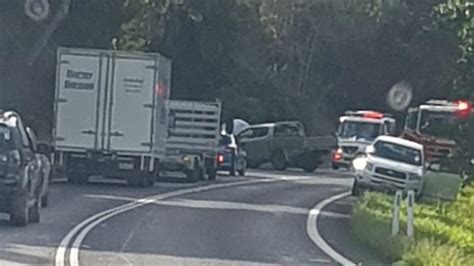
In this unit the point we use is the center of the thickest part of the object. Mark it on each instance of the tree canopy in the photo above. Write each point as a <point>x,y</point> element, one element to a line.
<point>266,59</point>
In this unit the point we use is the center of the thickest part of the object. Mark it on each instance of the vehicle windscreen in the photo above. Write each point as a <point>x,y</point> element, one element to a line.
<point>359,130</point>
<point>6,139</point>
<point>438,124</point>
<point>397,152</point>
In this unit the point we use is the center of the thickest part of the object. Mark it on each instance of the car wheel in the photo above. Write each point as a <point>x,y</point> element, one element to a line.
<point>279,161</point>
<point>20,211</point>
<point>334,166</point>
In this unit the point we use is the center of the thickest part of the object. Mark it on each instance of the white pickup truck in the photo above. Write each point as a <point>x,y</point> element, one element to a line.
<point>390,163</point>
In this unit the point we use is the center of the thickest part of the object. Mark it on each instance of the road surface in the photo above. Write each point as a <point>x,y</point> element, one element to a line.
<point>260,219</point>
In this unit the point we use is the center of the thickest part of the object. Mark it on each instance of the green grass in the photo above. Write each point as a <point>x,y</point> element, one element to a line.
<point>444,232</point>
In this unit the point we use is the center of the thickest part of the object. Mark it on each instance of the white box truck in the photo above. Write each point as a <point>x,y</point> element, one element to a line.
<point>112,118</point>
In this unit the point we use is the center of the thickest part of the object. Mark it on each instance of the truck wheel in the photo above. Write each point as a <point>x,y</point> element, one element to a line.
<point>194,174</point>
<point>83,179</point>
<point>310,167</point>
<point>77,178</point>
<point>212,172</point>
<point>20,211</point>
<point>252,165</point>
<point>243,167</point>
<point>279,161</point>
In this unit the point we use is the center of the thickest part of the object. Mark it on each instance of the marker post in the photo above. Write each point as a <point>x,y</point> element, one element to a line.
<point>410,213</point>
<point>396,212</point>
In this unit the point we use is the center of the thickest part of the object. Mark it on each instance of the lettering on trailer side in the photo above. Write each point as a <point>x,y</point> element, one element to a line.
<point>133,85</point>
<point>79,80</point>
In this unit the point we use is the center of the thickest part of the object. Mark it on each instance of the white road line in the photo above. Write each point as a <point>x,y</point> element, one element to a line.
<point>313,232</point>
<point>83,228</point>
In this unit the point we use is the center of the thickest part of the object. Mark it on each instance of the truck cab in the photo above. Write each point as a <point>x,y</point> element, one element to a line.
<point>356,131</point>
<point>432,123</point>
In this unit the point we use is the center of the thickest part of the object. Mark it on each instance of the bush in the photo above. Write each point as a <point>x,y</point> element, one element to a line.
<point>444,232</point>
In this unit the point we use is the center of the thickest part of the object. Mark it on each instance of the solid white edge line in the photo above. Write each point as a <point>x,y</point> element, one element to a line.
<point>313,232</point>
<point>83,228</point>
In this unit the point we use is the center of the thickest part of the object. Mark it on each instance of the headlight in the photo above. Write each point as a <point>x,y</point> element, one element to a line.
<point>359,163</point>
<point>369,167</point>
<point>414,177</point>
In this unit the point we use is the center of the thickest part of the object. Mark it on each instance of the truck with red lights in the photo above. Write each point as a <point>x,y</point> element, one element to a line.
<point>429,124</point>
<point>356,131</point>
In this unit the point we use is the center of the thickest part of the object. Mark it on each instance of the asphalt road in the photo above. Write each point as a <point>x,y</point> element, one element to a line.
<point>259,219</point>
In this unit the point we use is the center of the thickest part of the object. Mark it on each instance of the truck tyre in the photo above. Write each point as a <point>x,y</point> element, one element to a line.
<point>212,172</point>
<point>279,161</point>
<point>253,165</point>
<point>310,167</point>
<point>78,178</point>
<point>20,211</point>
<point>194,174</point>
<point>243,167</point>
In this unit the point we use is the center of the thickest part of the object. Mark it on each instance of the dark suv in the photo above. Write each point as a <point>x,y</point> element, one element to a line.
<point>20,173</point>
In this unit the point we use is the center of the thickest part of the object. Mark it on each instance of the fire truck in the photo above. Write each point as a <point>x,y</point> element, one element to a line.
<point>356,131</point>
<point>429,124</point>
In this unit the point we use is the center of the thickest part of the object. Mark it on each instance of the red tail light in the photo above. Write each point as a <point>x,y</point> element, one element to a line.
<point>220,158</point>
<point>337,155</point>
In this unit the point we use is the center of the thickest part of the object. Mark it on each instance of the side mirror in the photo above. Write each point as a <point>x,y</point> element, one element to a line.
<point>370,149</point>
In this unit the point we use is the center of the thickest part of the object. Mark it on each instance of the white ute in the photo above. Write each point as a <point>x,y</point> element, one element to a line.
<point>390,163</point>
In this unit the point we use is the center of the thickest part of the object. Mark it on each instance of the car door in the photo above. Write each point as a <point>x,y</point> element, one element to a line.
<point>256,142</point>
<point>31,161</point>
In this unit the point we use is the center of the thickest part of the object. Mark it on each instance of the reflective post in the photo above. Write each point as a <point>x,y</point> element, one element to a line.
<point>410,213</point>
<point>396,212</point>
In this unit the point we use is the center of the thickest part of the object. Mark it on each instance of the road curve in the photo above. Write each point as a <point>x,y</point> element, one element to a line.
<point>260,219</point>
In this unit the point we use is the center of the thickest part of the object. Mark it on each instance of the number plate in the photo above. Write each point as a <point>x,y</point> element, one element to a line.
<point>126,166</point>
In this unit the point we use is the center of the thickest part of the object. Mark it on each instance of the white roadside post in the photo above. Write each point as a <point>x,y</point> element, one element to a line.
<point>410,213</point>
<point>396,212</point>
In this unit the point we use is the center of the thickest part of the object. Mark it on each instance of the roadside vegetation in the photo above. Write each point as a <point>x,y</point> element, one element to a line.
<point>444,232</point>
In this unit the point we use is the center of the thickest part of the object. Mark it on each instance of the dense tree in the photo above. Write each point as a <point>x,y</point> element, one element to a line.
<point>266,59</point>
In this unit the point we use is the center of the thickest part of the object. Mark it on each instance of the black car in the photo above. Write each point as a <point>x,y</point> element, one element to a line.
<point>20,172</point>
